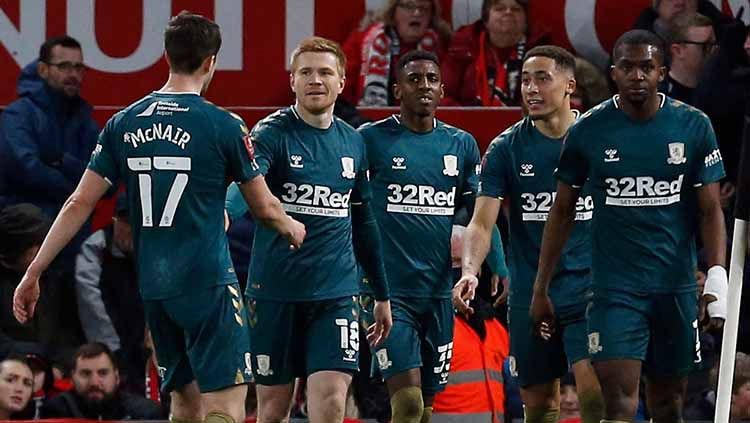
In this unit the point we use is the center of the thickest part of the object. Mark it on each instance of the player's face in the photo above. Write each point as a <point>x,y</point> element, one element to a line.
<point>419,87</point>
<point>64,71</point>
<point>95,379</point>
<point>16,382</point>
<point>412,18</point>
<point>545,88</point>
<point>637,72</point>
<point>316,81</point>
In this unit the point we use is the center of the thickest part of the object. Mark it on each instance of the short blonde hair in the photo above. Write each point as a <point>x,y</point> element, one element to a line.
<point>320,45</point>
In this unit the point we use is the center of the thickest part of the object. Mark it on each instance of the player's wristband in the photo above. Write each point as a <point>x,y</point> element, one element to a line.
<point>717,284</point>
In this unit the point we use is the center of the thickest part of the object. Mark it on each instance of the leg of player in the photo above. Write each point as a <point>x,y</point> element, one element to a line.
<point>186,404</point>
<point>427,413</point>
<point>589,392</point>
<point>665,397</point>
<point>326,396</point>
<point>619,381</point>
<point>541,403</point>
<point>225,405</point>
<point>405,391</point>
<point>274,402</point>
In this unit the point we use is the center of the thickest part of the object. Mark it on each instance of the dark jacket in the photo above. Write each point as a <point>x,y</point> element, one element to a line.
<point>125,406</point>
<point>46,140</point>
<point>648,16</point>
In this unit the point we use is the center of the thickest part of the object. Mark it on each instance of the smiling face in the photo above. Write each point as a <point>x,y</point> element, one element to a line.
<point>637,71</point>
<point>316,81</point>
<point>545,87</point>
<point>419,88</point>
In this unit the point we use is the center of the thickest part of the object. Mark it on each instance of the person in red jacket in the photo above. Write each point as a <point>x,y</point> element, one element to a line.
<point>475,383</point>
<point>483,64</point>
<point>373,50</point>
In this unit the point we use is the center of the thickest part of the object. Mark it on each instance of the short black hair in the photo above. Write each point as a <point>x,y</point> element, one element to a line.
<point>188,40</point>
<point>414,56</point>
<point>636,37</point>
<point>91,350</point>
<point>45,51</point>
<point>563,58</point>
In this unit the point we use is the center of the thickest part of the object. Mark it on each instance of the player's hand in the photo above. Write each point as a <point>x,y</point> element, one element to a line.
<point>496,280</point>
<point>26,296</point>
<point>543,315</point>
<point>295,234</point>
<point>379,331</point>
<point>707,322</point>
<point>463,292</point>
<point>712,307</point>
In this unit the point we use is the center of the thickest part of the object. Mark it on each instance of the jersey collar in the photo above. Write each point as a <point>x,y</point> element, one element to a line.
<point>398,120</point>
<point>616,100</point>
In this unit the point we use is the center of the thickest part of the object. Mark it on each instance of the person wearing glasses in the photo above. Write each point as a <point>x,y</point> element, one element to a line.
<point>373,50</point>
<point>691,41</point>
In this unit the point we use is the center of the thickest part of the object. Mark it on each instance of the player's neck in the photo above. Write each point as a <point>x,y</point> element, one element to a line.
<point>417,123</point>
<point>322,120</point>
<point>643,112</point>
<point>183,84</point>
<point>556,125</point>
<point>683,76</point>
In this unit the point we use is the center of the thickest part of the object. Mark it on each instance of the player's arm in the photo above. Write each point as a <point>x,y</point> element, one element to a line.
<point>77,208</point>
<point>714,236</point>
<point>268,211</point>
<point>556,233</point>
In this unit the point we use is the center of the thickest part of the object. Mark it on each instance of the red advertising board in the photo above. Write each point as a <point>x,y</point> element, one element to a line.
<point>122,39</point>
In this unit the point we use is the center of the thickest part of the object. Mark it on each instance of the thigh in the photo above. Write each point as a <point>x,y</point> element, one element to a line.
<point>534,360</point>
<point>169,345</point>
<point>400,352</point>
<point>437,345</point>
<point>674,350</point>
<point>214,322</point>
<point>332,337</point>
<point>273,341</point>
<point>618,326</point>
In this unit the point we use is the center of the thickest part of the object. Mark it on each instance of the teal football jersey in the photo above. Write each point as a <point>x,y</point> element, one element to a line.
<point>317,174</point>
<point>418,180</point>
<point>176,153</point>
<point>644,177</point>
<point>518,168</point>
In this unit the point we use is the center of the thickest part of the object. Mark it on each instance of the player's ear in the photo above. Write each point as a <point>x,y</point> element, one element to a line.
<point>397,92</point>
<point>571,88</point>
<point>442,90</point>
<point>662,73</point>
<point>342,84</point>
<point>291,81</point>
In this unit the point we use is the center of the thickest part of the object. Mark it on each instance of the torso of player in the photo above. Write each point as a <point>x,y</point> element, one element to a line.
<point>644,177</point>
<point>530,194</point>
<point>169,155</point>
<point>418,181</point>
<point>314,173</point>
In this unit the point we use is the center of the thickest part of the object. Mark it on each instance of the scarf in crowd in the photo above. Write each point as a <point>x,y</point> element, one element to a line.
<point>496,81</point>
<point>381,47</point>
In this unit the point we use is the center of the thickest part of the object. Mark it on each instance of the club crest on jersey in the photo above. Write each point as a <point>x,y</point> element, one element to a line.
<point>450,165</point>
<point>347,165</point>
<point>676,153</point>
<point>399,163</point>
<point>610,155</point>
<point>264,365</point>
<point>527,169</point>
<point>295,161</point>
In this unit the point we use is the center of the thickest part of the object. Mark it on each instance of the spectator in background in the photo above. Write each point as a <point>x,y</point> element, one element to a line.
<point>16,384</point>
<point>109,303</point>
<point>373,51</point>
<point>22,230</point>
<point>591,86</point>
<point>47,134</point>
<point>96,394</point>
<point>483,63</point>
<point>660,15</point>
<point>570,408</point>
<point>691,40</point>
<point>704,406</point>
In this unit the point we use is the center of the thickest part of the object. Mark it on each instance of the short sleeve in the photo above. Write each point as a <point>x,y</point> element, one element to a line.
<point>265,137</point>
<point>711,165</point>
<point>494,178</point>
<point>104,157</point>
<point>573,168</point>
<point>362,192</point>
<point>239,149</point>
<point>472,166</point>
